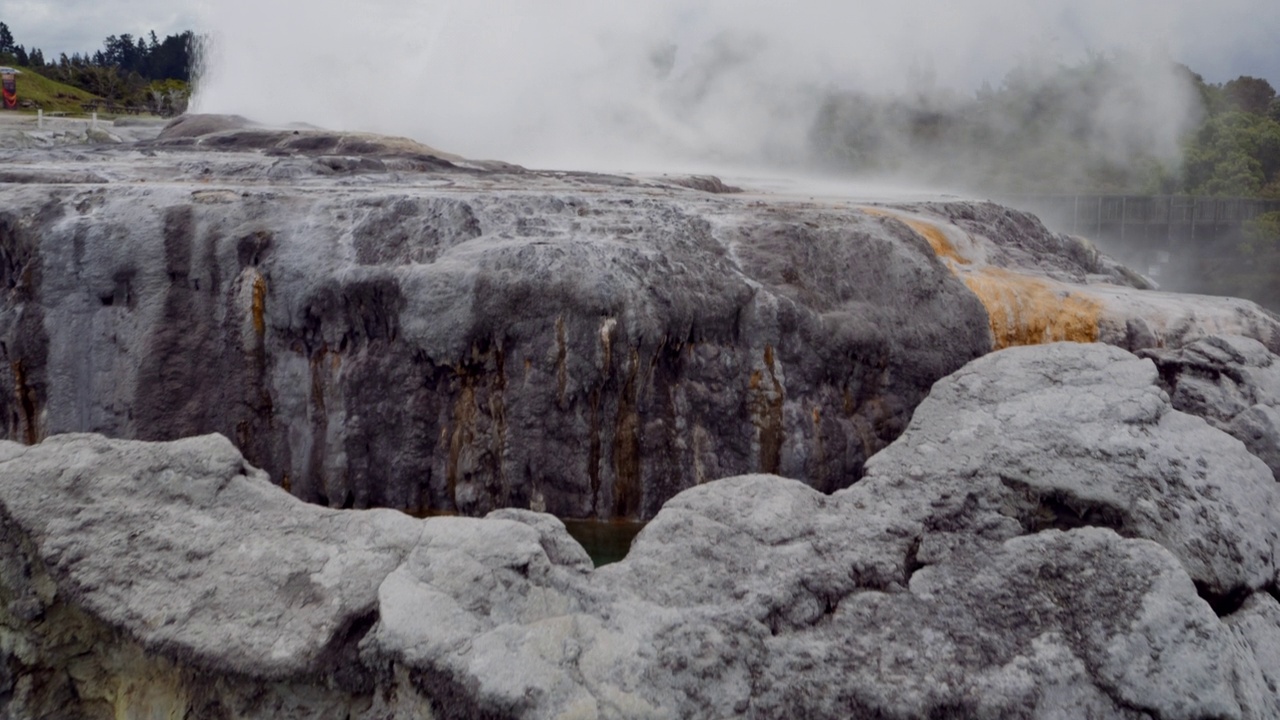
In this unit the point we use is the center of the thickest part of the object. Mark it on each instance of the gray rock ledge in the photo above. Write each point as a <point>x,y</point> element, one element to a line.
<point>1048,539</point>
<point>379,324</point>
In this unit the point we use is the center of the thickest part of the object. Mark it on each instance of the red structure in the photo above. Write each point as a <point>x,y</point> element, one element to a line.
<point>10,81</point>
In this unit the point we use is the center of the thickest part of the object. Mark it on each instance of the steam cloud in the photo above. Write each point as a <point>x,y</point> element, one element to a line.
<point>651,84</point>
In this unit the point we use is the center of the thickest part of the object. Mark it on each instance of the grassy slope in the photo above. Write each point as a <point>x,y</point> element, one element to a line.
<point>50,95</point>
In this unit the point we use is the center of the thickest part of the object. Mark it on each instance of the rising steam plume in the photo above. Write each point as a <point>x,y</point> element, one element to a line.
<point>646,84</point>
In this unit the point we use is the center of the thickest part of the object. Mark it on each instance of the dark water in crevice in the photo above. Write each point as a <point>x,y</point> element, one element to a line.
<point>606,541</point>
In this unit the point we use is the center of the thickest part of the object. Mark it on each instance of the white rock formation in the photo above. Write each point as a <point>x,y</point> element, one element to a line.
<point>1049,539</point>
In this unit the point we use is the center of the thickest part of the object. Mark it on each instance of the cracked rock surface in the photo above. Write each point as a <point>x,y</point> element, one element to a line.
<point>1233,383</point>
<point>379,324</point>
<point>1049,538</point>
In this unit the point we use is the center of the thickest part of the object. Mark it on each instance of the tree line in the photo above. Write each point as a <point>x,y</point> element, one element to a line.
<point>129,71</point>
<point>1235,151</point>
<point>1108,124</point>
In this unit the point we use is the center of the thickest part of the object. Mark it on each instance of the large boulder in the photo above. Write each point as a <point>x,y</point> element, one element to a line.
<point>1049,539</point>
<point>1025,440</point>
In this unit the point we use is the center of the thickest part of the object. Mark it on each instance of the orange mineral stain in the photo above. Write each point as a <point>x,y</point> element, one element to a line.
<point>1023,309</point>
<point>1030,311</point>
<point>259,305</point>
<point>938,240</point>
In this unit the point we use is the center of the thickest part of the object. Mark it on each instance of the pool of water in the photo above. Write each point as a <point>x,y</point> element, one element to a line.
<point>606,541</point>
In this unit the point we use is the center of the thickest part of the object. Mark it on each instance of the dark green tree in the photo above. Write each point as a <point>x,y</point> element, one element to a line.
<point>1249,94</point>
<point>171,58</point>
<point>1234,154</point>
<point>6,40</point>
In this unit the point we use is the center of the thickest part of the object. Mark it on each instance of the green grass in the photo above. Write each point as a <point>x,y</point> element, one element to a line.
<point>50,95</point>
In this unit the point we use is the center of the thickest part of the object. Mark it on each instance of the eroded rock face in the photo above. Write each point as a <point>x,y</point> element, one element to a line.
<point>1049,539</point>
<point>1233,383</point>
<point>379,324</point>
<point>463,338</point>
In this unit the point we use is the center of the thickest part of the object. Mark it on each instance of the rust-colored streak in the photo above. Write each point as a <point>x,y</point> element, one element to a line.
<point>1029,311</point>
<point>817,451</point>
<point>628,491</point>
<point>1023,309</point>
<point>475,434</point>
<point>593,453</point>
<point>259,305</point>
<point>461,439</point>
<point>244,433</point>
<point>942,246</point>
<point>316,476</point>
<point>317,382</point>
<point>606,345</point>
<point>562,364</point>
<point>498,417</point>
<point>766,400</point>
<point>26,398</point>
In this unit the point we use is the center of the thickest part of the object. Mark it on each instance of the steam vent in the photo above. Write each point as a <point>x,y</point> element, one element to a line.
<point>295,417</point>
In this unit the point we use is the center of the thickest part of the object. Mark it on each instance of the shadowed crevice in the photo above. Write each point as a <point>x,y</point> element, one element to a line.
<point>1055,509</point>
<point>912,561</point>
<point>341,657</point>
<point>1224,604</point>
<point>455,699</point>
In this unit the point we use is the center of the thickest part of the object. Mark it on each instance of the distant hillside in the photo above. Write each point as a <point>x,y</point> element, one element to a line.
<point>50,95</point>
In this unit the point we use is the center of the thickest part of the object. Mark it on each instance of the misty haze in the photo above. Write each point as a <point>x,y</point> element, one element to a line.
<point>549,359</point>
<point>994,99</point>
<point>619,85</point>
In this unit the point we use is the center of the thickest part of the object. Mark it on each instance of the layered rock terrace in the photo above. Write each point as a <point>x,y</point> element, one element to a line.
<point>376,323</point>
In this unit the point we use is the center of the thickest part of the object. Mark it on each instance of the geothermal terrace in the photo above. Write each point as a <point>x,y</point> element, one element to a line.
<point>295,417</point>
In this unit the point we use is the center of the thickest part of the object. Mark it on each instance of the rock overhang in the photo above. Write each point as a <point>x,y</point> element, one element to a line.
<point>511,295</point>
<point>663,326</point>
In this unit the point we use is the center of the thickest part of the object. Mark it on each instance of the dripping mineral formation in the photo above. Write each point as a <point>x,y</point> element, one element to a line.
<point>1049,538</point>
<point>971,528</point>
<point>376,323</point>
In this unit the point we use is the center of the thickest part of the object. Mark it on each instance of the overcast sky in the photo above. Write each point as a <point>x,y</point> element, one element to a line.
<point>1221,39</point>
<point>57,26</point>
<point>538,80</point>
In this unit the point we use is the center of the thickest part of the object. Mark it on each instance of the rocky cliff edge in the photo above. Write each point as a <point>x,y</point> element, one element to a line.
<point>379,324</point>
